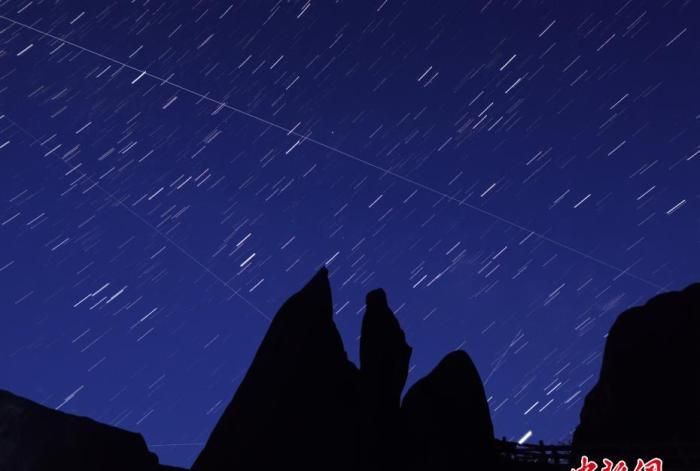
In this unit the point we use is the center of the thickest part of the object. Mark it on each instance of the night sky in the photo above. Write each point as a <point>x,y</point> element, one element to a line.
<point>514,174</point>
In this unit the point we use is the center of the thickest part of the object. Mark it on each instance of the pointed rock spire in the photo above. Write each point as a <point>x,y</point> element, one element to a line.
<point>384,353</point>
<point>384,357</point>
<point>294,406</point>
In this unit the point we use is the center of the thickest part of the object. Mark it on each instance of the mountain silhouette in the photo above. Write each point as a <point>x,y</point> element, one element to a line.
<point>446,418</point>
<point>36,438</point>
<point>647,400</point>
<point>304,405</point>
<point>296,406</point>
<point>384,357</point>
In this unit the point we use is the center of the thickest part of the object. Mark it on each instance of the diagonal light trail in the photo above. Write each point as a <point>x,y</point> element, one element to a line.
<point>305,138</point>
<point>165,236</point>
<point>169,445</point>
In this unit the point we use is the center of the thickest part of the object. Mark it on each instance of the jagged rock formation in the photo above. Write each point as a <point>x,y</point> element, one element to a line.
<point>296,406</point>
<point>384,353</point>
<point>384,357</point>
<point>304,405</point>
<point>36,438</point>
<point>446,418</point>
<point>303,399</point>
<point>647,400</point>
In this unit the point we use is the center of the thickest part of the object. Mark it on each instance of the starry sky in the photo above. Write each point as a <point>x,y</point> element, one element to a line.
<point>514,173</point>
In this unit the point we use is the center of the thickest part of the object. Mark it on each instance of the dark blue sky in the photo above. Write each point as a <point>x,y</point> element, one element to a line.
<point>513,173</point>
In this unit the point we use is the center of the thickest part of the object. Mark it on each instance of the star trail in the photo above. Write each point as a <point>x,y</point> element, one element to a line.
<point>514,174</point>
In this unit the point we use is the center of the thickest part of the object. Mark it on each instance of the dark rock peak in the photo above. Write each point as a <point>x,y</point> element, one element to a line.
<point>646,398</point>
<point>446,417</point>
<point>298,399</point>
<point>384,357</point>
<point>304,405</point>
<point>36,438</point>
<point>384,353</point>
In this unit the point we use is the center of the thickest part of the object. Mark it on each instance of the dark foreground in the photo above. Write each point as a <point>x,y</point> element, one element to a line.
<point>304,405</point>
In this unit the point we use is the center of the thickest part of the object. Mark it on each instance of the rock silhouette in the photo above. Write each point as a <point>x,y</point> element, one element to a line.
<point>647,400</point>
<point>305,400</point>
<point>384,353</point>
<point>304,405</point>
<point>36,438</point>
<point>446,418</point>
<point>384,357</point>
<point>296,406</point>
